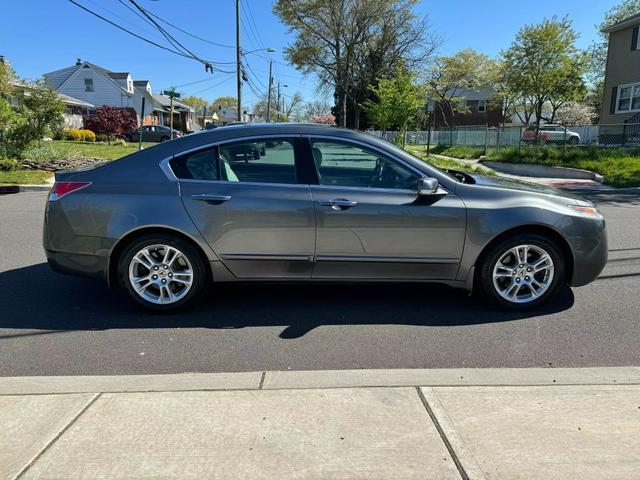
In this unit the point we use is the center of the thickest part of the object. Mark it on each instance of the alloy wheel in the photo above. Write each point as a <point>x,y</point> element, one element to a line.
<point>523,273</point>
<point>161,274</point>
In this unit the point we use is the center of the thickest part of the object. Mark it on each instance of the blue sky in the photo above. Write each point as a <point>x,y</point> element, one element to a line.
<point>39,36</point>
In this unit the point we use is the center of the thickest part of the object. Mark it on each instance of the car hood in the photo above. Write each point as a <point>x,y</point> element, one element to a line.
<point>519,185</point>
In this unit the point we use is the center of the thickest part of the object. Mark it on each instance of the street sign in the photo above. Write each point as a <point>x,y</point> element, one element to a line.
<point>171,93</point>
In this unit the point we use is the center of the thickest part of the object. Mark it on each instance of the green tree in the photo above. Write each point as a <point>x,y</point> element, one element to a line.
<point>349,44</point>
<point>224,102</point>
<point>12,126</point>
<point>7,77</point>
<point>39,114</point>
<point>398,102</point>
<point>196,102</point>
<point>451,75</point>
<point>544,67</point>
<point>44,110</point>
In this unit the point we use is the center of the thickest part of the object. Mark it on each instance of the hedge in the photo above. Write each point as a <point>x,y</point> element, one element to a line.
<point>76,135</point>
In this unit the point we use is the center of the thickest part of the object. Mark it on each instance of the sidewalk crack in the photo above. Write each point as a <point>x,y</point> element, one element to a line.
<point>264,374</point>
<point>57,436</point>
<point>443,436</point>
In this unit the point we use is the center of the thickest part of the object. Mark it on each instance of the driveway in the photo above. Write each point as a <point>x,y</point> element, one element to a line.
<point>57,325</point>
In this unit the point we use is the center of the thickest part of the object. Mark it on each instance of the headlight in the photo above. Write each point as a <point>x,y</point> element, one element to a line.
<point>587,211</point>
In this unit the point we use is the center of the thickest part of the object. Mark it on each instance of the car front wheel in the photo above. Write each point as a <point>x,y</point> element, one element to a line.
<point>161,272</point>
<point>521,272</point>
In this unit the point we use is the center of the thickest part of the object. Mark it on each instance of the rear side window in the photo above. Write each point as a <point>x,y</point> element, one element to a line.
<point>262,161</point>
<point>197,166</point>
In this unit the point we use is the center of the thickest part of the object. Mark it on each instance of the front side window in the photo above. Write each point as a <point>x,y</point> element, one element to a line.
<point>262,161</point>
<point>482,106</point>
<point>349,165</point>
<point>629,98</point>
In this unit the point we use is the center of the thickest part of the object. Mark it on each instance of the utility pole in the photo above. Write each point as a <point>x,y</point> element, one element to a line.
<point>141,124</point>
<point>269,94</point>
<point>238,62</point>
<point>171,118</point>
<point>278,105</point>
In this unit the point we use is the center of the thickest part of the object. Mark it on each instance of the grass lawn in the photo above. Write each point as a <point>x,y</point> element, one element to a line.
<point>420,152</point>
<point>60,149</point>
<point>28,177</point>
<point>620,168</point>
<point>457,151</point>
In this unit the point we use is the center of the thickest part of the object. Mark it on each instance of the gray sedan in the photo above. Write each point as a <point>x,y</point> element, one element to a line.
<point>321,204</point>
<point>152,133</point>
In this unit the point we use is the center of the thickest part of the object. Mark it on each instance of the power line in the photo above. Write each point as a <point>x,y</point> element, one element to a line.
<point>128,31</point>
<point>208,79</point>
<point>255,27</point>
<point>121,18</point>
<point>256,77</point>
<point>172,39</point>
<point>140,37</point>
<point>226,79</point>
<point>189,33</point>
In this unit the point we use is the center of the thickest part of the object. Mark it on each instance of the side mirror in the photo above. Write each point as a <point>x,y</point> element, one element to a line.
<point>427,186</point>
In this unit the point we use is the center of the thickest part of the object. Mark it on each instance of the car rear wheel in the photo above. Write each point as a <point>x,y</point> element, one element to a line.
<point>164,139</point>
<point>161,272</point>
<point>521,272</point>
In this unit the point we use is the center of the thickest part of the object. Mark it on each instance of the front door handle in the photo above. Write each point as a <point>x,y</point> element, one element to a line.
<point>211,198</point>
<point>339,203</point>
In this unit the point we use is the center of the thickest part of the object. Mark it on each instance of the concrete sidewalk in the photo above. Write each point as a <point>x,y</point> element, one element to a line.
<point>373,424</point>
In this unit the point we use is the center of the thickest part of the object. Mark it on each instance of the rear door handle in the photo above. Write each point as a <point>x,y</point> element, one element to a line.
<point>211,198</point>
<point>339,203</point>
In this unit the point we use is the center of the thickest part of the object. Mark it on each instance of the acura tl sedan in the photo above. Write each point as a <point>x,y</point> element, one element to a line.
<point>321,204</point>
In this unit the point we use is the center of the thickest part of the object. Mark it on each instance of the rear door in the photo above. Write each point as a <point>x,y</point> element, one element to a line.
<point>253,208</point>
<point>371,224</point>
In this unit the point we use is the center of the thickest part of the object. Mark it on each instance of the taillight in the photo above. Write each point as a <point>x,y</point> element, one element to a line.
<point>60,189</point>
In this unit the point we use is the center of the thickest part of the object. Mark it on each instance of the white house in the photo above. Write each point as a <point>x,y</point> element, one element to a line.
<point>99,86</point>
<point>74,107</point>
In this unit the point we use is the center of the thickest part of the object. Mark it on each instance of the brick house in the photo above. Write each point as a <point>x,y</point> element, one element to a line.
<point>471,107</point>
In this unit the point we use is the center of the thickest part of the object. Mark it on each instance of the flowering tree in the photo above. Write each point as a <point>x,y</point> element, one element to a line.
<point>110,121</point>
<point>325,118</point>
<point>576,113</point>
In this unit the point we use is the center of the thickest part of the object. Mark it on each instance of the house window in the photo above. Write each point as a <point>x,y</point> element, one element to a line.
<point>629,98</point>
<point>482,106</point>
<point>88,84</point>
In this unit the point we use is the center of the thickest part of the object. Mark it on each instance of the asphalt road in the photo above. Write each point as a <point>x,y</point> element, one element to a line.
<point>52,324</point>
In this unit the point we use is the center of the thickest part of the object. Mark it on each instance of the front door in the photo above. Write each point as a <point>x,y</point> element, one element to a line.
<point>246,200</point>
<point>372,224</point>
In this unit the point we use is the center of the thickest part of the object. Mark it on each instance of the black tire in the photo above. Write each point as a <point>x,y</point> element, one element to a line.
<point>256,154</point>
<point>164,139</point>
<point>484,285</point>
<point>192,255</point>
<point>573,140</point>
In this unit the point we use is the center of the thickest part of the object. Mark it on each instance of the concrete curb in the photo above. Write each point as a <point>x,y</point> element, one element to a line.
<point>321,379</point>
<point>543,171</point>
<point>36,188</point>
